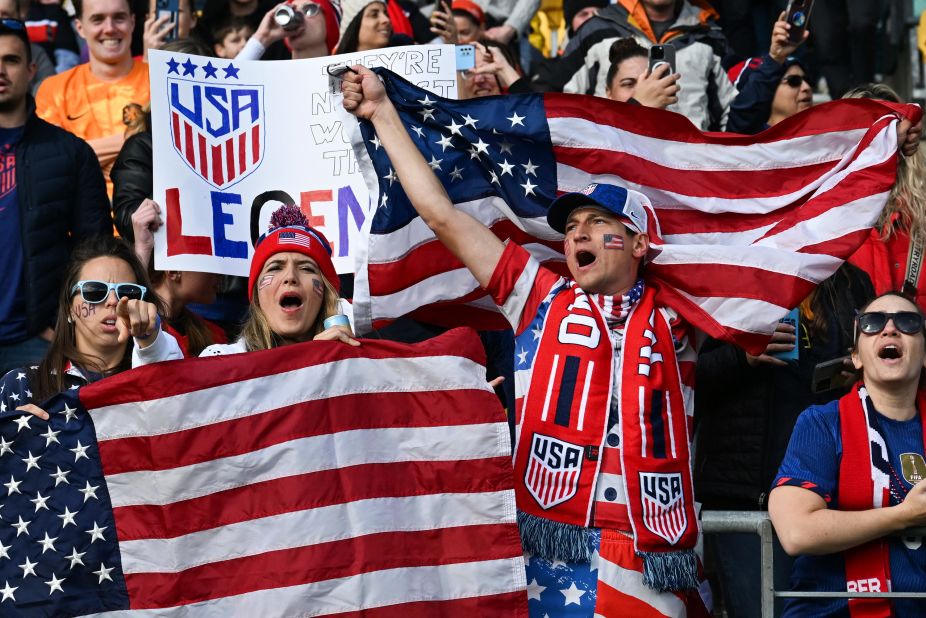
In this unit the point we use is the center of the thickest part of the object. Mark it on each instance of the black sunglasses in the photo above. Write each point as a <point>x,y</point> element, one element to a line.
<point>795,81</point>
<point>94,292</point>
<point>907,322</point>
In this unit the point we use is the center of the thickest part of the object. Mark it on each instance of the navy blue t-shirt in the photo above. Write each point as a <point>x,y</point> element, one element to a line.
<point>812,462</point>
<point>12,292</point>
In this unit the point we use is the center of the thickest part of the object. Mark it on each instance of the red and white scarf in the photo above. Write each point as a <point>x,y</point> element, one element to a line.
<point>868,566</point>
<point>563,426</point>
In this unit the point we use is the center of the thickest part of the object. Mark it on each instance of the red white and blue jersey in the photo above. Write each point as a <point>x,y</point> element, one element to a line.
<point>524,291</point>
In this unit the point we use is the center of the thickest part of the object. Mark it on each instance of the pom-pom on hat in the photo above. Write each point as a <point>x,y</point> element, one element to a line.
<point>289,230</point>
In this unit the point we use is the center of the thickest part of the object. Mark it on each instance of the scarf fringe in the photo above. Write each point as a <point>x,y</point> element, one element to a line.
<point>554,539</point>
<point>670,571</point>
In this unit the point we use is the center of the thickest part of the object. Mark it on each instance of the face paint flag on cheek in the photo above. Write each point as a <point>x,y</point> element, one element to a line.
<point>265,281</point>
<point>614,241</point>
<point>318,287</point>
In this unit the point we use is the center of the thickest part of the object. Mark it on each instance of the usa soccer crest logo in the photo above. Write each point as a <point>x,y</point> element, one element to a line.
<point>553,470</point>
<point>663,505</point>
<point>216,124</point>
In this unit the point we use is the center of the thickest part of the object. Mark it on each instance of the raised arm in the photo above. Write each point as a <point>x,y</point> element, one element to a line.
<point>468,239</point>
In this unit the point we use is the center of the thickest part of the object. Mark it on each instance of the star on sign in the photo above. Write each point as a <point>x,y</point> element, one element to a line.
<point>50,436</point>
<point>69,413</point>
<point>89,491</point>
<point>173,67</point>
<point>61,476</point>
<point>469,121</point>
<point>528,188</point>
<point>189,69</point>
<point>445,142</point>
<point>22,527</point>
<point>32,461</point>
<point>7,592</point>
<point>4,551</point>
<point>54,584</point>
<point>12,487</point>
<point>5,446</point>
<point>529,168</point>
<point>515,119</point>
<point>39,501</point>
<point>79,451</point>
<point>506,167</point>
<point>210,70</point>
<point>103,573</point>
<point>67,518</point>
<point>48,543</point>
<point>75,557</point>
<point>231,71</point>
<point>426,114</point>
<point>96,533</point>
<point>28,567</point>
<point>375,141</point>
<point>435,163</point>
<point>534,589</point>
<point>572,594</point>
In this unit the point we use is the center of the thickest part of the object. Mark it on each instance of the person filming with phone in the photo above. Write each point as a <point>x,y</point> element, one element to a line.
<point>849,484</point>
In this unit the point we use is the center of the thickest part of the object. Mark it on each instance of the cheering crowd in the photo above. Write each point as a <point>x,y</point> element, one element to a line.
<point>823,428</point>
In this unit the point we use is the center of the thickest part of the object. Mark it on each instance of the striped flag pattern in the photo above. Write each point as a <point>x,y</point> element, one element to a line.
<point>313,479</point>
<point>749,224</point>
<point>221,163</point>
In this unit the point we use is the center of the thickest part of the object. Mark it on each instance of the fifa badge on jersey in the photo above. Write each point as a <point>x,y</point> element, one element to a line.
<point>216,122</point>
<point>913,467</point>
<point>553,470</point>
<point>663,504</point>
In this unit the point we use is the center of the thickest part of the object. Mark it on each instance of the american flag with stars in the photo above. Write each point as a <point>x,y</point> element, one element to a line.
<point>312,479</point>
<point>748,225</point>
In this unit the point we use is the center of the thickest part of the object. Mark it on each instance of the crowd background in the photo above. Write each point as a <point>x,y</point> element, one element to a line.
<point>78,164</point>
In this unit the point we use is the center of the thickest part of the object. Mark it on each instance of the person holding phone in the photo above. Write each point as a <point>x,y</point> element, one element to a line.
<point>850,480</point>
<point>631,79</point>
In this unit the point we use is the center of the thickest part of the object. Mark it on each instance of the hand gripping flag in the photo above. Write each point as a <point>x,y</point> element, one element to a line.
<point>748,225</point>
<point>314,479</point>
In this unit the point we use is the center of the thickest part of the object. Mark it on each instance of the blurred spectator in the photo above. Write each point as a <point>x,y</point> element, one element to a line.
<point>577,12</point>
<point>629,78</point>
<point>50,26</point>
<point>469,19</point>
<point>508,18</point>
<point>853,474</point>
<point>217,12</point>
<point>688,25</point>
<point>745,409</point>
<point>230,37</point>
<point>772,87</point>
<point>844,40</point>
<point>494,73</point>
<point>365,25</point>
<point>315,35</point>
<point>901,230</point>
<point>10,9</point>
<point>160,30</point>
<point>88,100</point>
<point>51,196</point>
<point>744,22</point>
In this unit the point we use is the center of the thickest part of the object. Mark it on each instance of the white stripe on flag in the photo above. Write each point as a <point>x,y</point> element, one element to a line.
<point>631,583</point>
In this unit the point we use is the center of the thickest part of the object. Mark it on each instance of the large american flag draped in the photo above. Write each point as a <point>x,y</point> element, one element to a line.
<point>749,224</point>
<point>314,479</point>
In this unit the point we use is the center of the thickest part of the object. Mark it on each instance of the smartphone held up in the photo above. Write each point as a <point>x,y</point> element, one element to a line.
<point>798,16</point>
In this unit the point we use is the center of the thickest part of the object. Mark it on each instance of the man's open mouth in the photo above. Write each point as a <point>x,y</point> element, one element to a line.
<point>585,258</point>
<point>890,351</point>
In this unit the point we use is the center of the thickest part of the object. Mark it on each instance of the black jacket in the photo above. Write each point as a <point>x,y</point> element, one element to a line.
<point>62,200</point>
<point>745,415</point>
<point>133,181</point>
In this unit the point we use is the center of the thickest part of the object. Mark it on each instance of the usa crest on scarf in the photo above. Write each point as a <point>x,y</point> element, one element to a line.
<point>748,224</point>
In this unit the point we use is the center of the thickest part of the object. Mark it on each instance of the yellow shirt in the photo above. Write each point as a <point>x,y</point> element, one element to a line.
<point>91,108</point>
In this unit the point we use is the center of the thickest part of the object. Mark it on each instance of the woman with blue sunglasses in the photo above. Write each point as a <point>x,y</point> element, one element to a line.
<point>850,485</point>
<point>104,303</point>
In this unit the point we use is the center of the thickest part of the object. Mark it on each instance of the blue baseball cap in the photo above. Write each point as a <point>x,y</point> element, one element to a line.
<point>627,205</point>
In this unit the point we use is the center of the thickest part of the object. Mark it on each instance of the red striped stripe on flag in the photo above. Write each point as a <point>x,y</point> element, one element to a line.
<point>314,479</point>
<point>219,163</point>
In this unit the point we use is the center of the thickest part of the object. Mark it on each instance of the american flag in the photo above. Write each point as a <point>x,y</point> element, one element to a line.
<point>313,479</point>
<point>749,224</point>
<point>291,238</point>
<point>613,241</point>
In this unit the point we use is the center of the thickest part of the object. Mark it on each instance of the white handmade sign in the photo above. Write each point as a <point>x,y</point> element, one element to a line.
<point>234,138</point>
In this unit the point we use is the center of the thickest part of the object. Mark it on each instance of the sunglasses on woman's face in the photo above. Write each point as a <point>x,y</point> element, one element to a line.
<point>311,9</point>
<point>94,292</point>
<point>795,81</point>
<point>907,322</point>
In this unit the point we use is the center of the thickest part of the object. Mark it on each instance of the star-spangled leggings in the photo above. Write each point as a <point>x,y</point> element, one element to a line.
<point>610,586</point>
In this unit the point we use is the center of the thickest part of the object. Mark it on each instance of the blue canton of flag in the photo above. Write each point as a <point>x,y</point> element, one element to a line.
<point>564,589</point>
<point>492,146</point>
<point>58,550</point>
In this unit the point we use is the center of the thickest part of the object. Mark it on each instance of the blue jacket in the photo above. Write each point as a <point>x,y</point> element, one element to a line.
<point>752,106</point>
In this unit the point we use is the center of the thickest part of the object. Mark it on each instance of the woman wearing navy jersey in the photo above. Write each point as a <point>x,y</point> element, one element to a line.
<point>849,482</point>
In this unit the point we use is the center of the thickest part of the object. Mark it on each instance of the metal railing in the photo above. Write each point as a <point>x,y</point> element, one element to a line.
<point>757,522</point>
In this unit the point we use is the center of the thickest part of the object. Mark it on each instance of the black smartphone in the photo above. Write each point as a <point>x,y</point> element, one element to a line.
<point>172,9</point>
<point>662,54</point>
<point>828,376</point>
<point>798,14</point>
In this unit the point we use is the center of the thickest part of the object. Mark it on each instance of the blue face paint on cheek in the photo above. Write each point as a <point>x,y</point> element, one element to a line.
<point>318,286</point>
